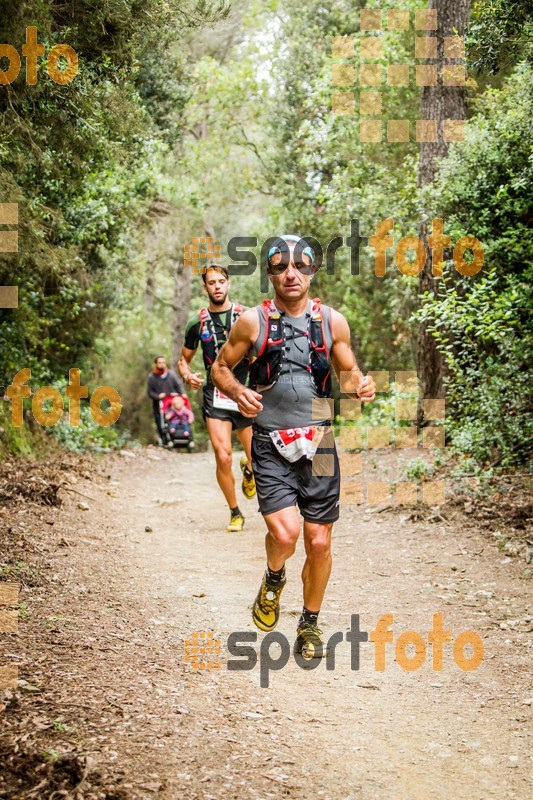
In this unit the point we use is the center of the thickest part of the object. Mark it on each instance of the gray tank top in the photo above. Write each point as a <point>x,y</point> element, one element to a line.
<point>289,403</point>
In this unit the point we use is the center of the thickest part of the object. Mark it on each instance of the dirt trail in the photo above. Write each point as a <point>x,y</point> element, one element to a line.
<point>180,732</point>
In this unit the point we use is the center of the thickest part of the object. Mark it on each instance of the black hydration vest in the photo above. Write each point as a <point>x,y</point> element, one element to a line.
<point>208,334</point>
<point>265,368</point>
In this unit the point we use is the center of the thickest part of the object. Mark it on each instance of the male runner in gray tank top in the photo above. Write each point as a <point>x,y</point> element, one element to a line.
<point>291,342</point>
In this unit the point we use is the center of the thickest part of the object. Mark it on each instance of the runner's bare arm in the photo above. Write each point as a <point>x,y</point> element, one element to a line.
<point>194,379</point>
<point>241,337</point>
<point>353,383</point>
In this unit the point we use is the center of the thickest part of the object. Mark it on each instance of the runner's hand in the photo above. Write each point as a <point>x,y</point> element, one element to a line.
<point>248,402</point>
<point>367,389</point>
<point>195,380</point>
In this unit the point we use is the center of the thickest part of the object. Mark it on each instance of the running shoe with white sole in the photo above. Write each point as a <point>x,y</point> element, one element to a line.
<point>236,523</point>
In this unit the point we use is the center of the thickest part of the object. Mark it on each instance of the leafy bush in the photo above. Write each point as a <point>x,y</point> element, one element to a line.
<point>417,470</point>
<point>481,324</point>
<point>17,441</point>
<point>83,161</point>
<point>88,436</point>
<point>33,439</point>
<point>382,411</point>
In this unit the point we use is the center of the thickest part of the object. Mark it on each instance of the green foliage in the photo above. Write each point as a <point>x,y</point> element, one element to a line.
<point>323,176</point>
<point>168,132</point>
<point>382,412</point>
<point>32,439</point>
<point>499,34</point>
<point>18,441</point>
<point>482,324</point>
<point>29,440</point>
<point>60,727</point>
<point>84,163</point>
<point>88,437</point>
<point>24,611</point>
<point>417,470</point>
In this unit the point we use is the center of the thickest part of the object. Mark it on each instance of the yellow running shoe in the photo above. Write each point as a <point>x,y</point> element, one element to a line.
<point>265,611</point>
<point>236,523</point>
<point>248,480</point>
<point>309,641</point>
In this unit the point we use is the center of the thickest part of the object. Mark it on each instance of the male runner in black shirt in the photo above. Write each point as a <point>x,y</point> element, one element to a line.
<point>210,329</point>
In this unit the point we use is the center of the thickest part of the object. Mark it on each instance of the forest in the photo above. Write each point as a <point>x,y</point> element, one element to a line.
<point>215,120</point>
<point>141,141</point>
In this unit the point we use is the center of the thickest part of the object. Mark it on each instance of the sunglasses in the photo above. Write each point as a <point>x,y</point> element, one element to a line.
<point>280,267</point>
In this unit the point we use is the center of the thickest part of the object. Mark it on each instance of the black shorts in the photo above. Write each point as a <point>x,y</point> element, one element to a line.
<point>281,484</point>
<point>237,420</point>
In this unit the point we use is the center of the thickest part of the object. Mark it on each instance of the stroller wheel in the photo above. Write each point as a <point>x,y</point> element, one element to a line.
<point>190,446</point>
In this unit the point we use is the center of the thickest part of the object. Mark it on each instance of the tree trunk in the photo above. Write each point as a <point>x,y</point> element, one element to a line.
<point>149,290</point>
<point>437,103</point>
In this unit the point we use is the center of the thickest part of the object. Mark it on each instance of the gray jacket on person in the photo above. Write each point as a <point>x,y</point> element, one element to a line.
<point>169,383</point>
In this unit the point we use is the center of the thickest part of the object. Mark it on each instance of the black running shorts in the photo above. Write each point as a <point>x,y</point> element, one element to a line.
<point>281,484</point>
<point>237,420</point>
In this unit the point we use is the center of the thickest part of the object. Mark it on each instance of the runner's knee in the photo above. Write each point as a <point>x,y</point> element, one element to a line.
<point>319,546</point>
<point>286,537</point>
<point>223,458</point>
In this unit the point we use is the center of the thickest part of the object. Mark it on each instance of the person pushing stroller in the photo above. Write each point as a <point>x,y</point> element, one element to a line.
<point>161,383</point>
<point>179,418</point>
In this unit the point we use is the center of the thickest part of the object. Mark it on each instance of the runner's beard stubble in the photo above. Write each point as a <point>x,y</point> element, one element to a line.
<point>218,301</point>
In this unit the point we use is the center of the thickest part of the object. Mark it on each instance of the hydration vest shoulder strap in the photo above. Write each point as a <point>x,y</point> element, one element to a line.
<point>316,309</point>
<point>206,320</point>
<point>209,345</point>
<point>236,310</point>
<point>271,313</point>
<point>318,334</point>
<point>269,306</point>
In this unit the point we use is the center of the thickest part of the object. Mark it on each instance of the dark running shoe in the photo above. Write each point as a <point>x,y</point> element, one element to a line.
<point>309,641</point>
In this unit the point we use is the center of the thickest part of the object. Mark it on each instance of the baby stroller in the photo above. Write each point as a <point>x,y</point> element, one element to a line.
<point>176,434</point>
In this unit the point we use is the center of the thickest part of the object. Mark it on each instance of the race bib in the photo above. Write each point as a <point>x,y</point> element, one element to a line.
<point>222,401</point>
<point>295,443</point>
